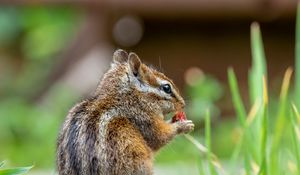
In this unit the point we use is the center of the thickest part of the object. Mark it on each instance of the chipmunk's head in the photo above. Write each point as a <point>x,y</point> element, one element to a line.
<point>151,87</point>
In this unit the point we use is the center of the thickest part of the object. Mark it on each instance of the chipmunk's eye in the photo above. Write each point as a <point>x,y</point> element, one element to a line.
<point>166,88</point>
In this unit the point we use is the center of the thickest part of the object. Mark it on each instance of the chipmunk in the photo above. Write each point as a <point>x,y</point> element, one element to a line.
<point>118,130</point>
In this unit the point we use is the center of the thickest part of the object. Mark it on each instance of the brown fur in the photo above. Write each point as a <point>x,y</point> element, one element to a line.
<point>118,129</point>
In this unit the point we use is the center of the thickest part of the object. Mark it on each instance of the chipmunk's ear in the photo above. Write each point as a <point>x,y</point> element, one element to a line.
<point>134,63</point>
<point>120,56</point>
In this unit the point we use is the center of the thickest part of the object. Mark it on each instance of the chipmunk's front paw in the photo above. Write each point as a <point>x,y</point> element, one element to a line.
<point>184,127</point>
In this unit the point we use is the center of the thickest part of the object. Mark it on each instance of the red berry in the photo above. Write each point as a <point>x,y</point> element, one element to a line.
<point>179,116</point>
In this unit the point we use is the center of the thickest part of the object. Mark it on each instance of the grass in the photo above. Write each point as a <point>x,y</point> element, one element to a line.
<point>13,171</point>
<point>268,145</point>
<point>208,143</point>
<point>295,134</point>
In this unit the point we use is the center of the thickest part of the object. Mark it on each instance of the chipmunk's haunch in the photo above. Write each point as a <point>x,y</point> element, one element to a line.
<point>117,131</point>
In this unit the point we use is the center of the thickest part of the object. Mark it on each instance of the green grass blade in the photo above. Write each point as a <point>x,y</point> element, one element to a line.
<point>241,113</point>
<point>297,59</point>
<point>297,114</point>
<point>281,120</point>
<point>256,86</point>
<point>264,164</point>
<point>1,164</point>
<point>15,171</point>
<point>208,143</point>
<point>236,97</point>
<point>258,64</point>
<point>264,130</point>
<point>294,135</point>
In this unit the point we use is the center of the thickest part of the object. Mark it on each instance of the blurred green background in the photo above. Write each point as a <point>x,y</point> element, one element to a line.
<point>30,40</point>
<point>53,54</point>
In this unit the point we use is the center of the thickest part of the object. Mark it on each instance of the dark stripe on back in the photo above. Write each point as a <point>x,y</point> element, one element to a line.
<point>90,142</point>
<point>72,144</point>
